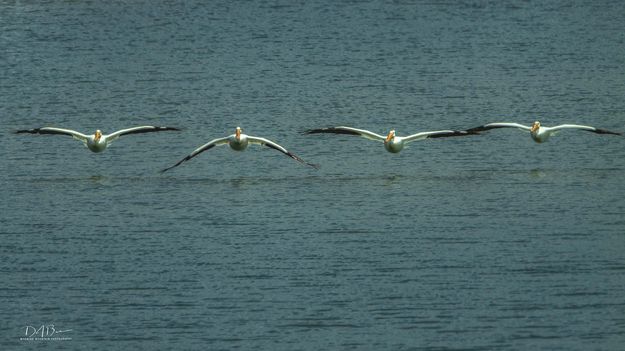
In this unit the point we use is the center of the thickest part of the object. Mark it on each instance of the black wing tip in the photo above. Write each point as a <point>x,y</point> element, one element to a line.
<point>315,131</point>
<point>454,133</point>
<point>476,130</point>
<point>174,166</point>
<point>29,131</point>
<point>168,168</point>
<point>163,128</point>
<point>313,165</point>
<point>333,130</point>
<point>187,158</point>
<point>465,132</point>
<point>605,131</point>
<point>294,156</point>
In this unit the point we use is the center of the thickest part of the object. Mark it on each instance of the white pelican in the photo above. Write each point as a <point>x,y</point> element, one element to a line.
<point>392,142</point>
<point>98,141</point>
<point>539,133</point>
<point>239,142</point>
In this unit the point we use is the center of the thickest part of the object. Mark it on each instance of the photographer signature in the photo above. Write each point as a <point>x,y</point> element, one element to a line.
<point>43,331</point>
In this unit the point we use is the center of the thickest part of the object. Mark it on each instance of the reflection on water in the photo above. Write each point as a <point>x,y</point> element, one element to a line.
<point>538,173</point>
<point>242,182</point>
<point>391,180</point>
<point>100,180</point>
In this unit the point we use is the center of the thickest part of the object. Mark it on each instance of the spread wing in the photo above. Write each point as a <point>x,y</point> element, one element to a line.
<point>582,127</point>
<point>348,130</point>
<point>137,130</point>
<point>436,134</point>
<point>271,144</point>
<point>52,130</point>
<point>199,150</point>
<point>490,126</point>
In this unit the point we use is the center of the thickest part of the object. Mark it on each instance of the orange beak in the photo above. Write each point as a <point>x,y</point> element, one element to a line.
<point>97,135</point>
<point>390,136</point>
<point>238,133</point>
<point>535,127</point>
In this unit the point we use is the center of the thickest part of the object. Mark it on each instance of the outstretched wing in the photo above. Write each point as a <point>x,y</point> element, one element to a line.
<point>199,150</point>
<point>436,134</point>
<point>348,130</point>
<point>586,128</point>
<point>498,125</point>
<point>271,144</point>
<point>52,130</point>
<point>137,130</point>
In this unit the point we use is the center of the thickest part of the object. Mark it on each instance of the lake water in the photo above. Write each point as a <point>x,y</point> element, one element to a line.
<point>487,242</point>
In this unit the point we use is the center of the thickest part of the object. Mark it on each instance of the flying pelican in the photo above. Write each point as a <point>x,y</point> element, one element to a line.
<point>539,133</point>
<point>98,141</point>
<point>239,142</point>
<point>392,143</point>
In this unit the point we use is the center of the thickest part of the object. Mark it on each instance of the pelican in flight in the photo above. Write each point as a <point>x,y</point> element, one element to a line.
<point>97,142</point>
<point>539,133</point>
<point>239,142</point>
<point>392,142</point>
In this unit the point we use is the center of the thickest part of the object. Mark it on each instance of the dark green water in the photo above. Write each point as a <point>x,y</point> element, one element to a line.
<point>481,243</point>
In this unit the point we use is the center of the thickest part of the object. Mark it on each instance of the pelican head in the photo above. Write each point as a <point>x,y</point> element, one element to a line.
<point>390,135</point>
<point>237,133</point>
<point>535,126</point>
<point>97,135</point>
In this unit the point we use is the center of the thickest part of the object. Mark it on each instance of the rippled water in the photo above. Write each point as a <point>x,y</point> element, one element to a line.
<point>484,242</point>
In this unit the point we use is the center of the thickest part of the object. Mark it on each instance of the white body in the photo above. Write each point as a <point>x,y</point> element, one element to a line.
<point>395,145</point>
<point>238,144</point>
<point>96,145</point>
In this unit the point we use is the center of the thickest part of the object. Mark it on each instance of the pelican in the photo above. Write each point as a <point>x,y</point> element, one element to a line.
<point>539,133</point>
<point>96,142</point>
<point>239,142</point>
<point>392,142</point>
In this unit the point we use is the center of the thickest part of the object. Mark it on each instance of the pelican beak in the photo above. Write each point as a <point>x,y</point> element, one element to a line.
<point>390,136</point>
<point>98,135</point>
<point>238,133</point>
<point>535,126</point>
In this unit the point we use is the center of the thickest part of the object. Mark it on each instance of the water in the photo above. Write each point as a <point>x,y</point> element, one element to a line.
<point>481,243</point>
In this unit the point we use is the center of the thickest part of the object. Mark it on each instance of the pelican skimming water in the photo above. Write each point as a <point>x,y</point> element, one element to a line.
<point>96,142</point>
<point>239,142</point>
<point>392,142</point>
<point>540,133</point>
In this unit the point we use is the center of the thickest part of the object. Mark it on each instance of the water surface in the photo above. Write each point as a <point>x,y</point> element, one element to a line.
<point>481,243</point>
